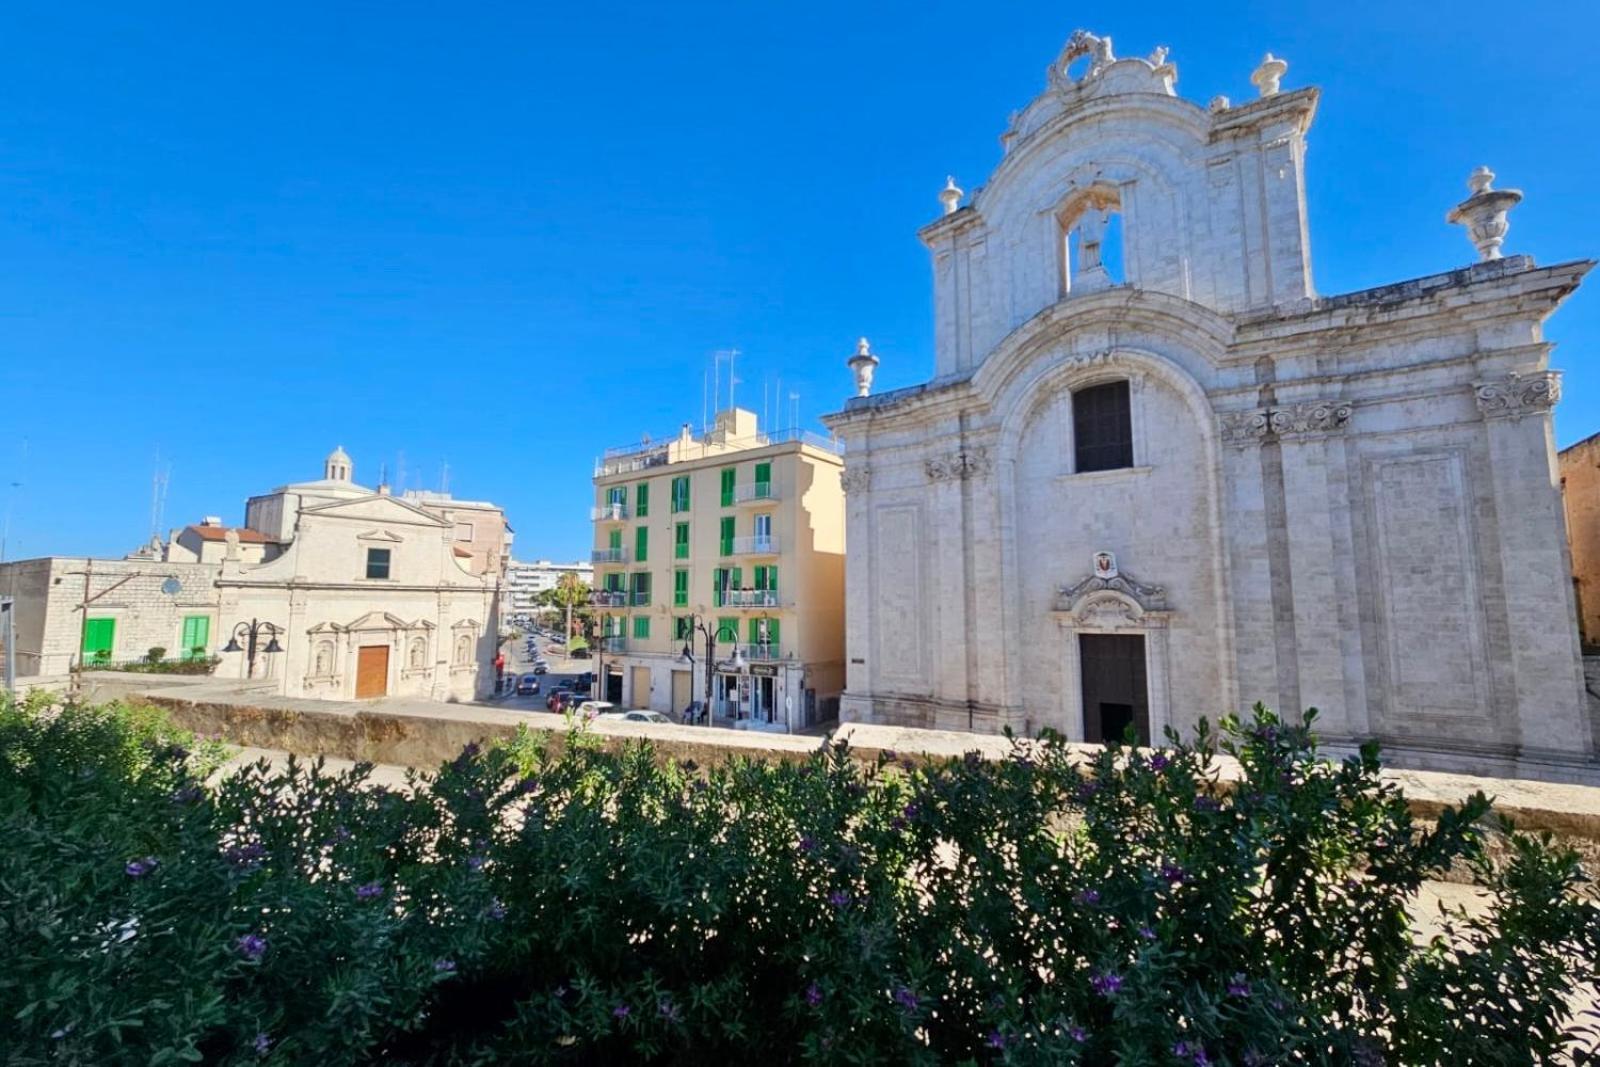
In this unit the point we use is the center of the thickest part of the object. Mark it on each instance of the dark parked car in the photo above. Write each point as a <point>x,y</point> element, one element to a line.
<point>527,685</point>
<point>557,695</point>
<point>564,700</point>
<point>579,653</point>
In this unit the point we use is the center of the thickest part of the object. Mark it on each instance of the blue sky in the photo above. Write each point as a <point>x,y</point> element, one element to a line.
<point>507,236</point>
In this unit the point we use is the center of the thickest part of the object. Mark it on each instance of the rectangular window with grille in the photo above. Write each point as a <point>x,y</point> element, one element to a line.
<point>1102,428</point>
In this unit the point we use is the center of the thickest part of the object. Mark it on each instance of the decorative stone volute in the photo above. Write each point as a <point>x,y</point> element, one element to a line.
<point>1516,395</point>
<point>863,364</point>
<point>1269,74</point>
<point>1484,213</point>
<point>950,195</point>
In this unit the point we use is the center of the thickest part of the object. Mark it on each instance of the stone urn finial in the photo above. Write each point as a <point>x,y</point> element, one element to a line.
<point>863,363</point>
<point>950,195</point>
<point>1484,213</point>
<point>1269,74</point>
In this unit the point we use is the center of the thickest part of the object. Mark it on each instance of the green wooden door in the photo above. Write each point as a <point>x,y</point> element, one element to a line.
<point>99,638</point>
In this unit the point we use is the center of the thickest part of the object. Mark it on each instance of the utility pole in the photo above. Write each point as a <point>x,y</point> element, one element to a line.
<point>83,620</point>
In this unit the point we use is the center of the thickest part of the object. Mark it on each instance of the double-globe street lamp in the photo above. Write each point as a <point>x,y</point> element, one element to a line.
<point>698,623</point>
<point>250,632</point>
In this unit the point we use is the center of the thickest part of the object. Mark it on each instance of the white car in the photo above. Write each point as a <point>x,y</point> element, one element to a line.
<point>636,715</point>
<point>595,707</point>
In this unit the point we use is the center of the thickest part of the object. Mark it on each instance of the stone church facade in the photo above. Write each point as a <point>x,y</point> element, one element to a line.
<point>1139,494</point>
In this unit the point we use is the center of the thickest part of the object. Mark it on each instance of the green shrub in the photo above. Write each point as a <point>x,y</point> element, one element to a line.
<point>155,654</point>
<point>198,664</point>
<point>558,903</point>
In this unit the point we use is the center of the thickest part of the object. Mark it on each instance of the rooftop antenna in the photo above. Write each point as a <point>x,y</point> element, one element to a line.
<point>158,494</point>
<point>705,401</point>
<point>794,411</point>
<point>444,477</point>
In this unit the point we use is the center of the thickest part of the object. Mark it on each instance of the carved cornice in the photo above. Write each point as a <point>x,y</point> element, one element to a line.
<point>856,479</point>
<point>1306,419</point>
<point>1148,597</point>
<point>968,463</point>
<point>1516,395</point>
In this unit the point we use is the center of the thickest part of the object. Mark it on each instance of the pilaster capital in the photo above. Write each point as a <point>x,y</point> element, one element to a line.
<point>1516,395</point>
<point>962,464</point>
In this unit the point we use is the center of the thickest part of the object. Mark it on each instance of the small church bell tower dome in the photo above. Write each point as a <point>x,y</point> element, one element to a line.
<point>337,467</point>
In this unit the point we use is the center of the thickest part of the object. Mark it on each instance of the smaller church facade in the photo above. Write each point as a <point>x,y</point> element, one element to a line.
<point>1156,476</point>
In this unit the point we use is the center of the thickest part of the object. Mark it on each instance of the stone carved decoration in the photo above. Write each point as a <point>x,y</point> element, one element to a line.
<point>958,465</point>
<point>1081,43</point>
<point>1268,75</point>
<point>1118,602</point>
<point>1306,419</point>
<point>950,195</point>
<point>1485,212</point>
<point>856,479</point>
<point>1519,394</point>
<point>1146,597</point>
<point>863,365</point>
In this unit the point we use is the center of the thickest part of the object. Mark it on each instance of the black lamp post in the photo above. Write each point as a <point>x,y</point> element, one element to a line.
<point>599,691</point>
<point>697,622</point>
<point>251,631</point>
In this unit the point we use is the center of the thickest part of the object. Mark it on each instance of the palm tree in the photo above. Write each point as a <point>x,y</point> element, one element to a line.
<point>570,592</point>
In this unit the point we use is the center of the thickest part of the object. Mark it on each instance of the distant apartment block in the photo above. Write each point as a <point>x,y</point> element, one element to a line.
<point>733,535</point>
<point>525,580</point>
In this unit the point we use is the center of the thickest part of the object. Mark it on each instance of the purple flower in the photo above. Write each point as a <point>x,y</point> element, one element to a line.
<point>911,810</point>
<point>807,844</point>
<point>252,946</point>
<point>1171,872</point>
<point>445,966</point>
<point>906,998</point>
<point>1159,762</point>
<point>1107,984</point>
<point>839,898</point>
<point>497,910</point>
<point>528,785</point>
<point>813,994</point>
<point>996,1039</point>
<point>1087,896</point>
<point>1238,986</point>
<point>898,825</point>
<point>621,1011</point>
<point>1078,1034</point>
<point>667,1010</point>
<point>1147,933</point>
<point>474,863</point>
<point>1205,803</point>
<point>140,868</point>
<point>246,855</point>
<point>261,1044</point>
<point>369,891</point>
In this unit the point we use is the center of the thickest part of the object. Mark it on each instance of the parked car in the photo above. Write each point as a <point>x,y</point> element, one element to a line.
<point>561,699</point>
<point>595,707</point>
<point>636,715</point>
<point>580,653</point>
<point>540,667</point>
<point>527,685</point>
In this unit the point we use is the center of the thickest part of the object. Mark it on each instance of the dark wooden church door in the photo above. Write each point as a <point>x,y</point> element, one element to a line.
<point>1115,696</point>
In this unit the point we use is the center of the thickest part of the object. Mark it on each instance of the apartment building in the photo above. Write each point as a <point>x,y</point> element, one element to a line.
<point>525,580</point>
<point>719,564</point>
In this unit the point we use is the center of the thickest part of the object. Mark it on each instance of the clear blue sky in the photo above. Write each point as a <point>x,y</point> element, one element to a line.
<point>506,236</point>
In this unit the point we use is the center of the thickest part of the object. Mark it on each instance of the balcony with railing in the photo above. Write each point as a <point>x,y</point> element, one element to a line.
<point>608,598</point>
<point>614,643</point>
<point>760,653</point>
<point>609,555</point>
<point>750,598</point>
<point>759,545</point>
<point>615,511</point>
<point>640,598</point>
<point>755,493</point>
<point>656,452</point>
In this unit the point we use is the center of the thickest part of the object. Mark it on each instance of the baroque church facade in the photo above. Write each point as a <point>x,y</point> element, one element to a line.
<point>1135,501</point>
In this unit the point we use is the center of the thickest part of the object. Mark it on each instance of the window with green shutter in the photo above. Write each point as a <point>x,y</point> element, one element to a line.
<point>641,588</point>
<point>719,587</point>
<point>763,481</point>
<point>728,476</point>
<point>641,544</point>
<point>680,589</point>
<point>196,636</point>
<point>641,499</point>
<point>726,538</point>
<point>614,542</point>
<point>641,626</point>
<point>727,631</point>
<point>682,628</point>
<point>770,626</point>
<point>617,496</point>
<point>680,493</point>
<point>99,638</point>
<point>614,582</point>
<point>680,541</point>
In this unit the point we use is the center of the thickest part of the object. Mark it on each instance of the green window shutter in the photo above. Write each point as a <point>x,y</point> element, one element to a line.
<point>641,626</point>
<point>737,581</point>
<point>728,475</point>
<point>752,631</point>
<point>641,499</point>
<point>641,544</point>
<point>772,632</point>
<point>717,581</point>
<point>763,480</point>
<point>99,638</point>
<point>680,541</point>
<point>614,582</point>
<point>680,493</point>
<point>680,589</point>
<point>727,631</point>
<point>196,637</point>
<point>727,536</point>
<point>614,539</point>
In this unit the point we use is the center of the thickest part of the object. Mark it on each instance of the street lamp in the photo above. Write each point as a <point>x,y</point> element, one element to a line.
<point>251,631</point>
<point>697,622</point>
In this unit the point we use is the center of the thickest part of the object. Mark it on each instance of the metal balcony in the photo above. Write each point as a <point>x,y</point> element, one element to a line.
<point>609,555</point>
<point>756,546</point>
<point>608,598</point>
<point>760,653</point>
<point>755,493</point>
<point>616,643</point>
<point>609,513</point>
<point>640,599</point>
<point>750,598</point>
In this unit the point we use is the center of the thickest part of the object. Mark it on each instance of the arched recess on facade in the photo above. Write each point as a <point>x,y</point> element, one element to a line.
<point>1029,391</point>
